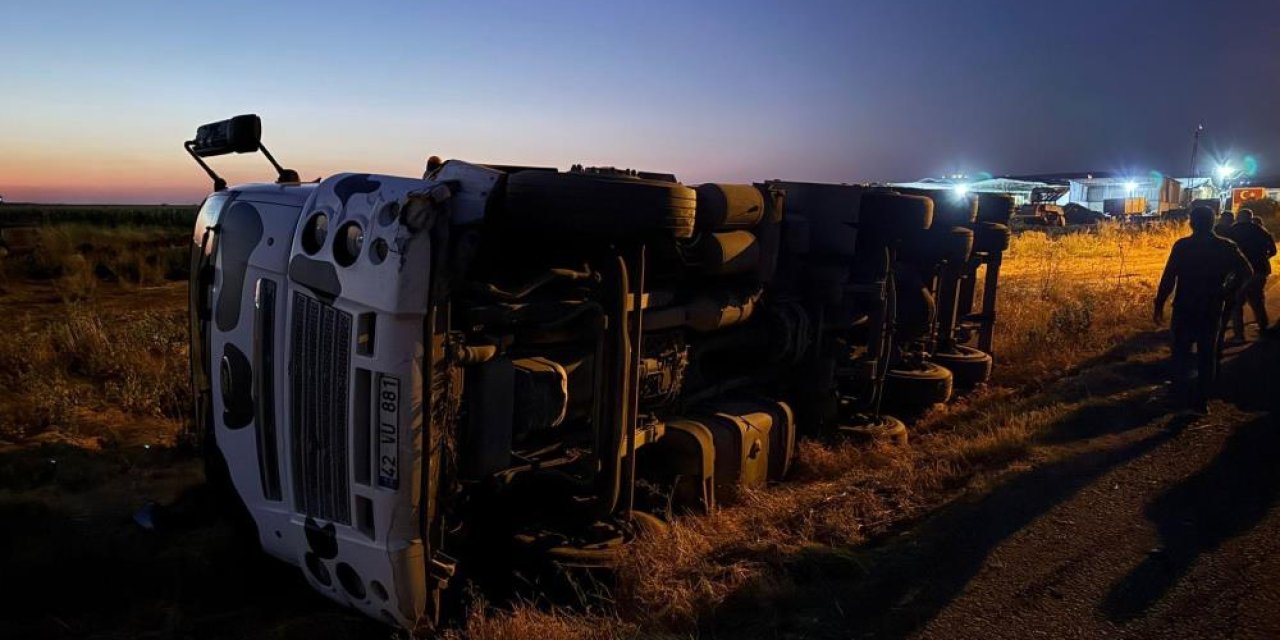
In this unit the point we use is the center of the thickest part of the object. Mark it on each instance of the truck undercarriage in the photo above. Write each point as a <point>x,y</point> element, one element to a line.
<point>404,381</point>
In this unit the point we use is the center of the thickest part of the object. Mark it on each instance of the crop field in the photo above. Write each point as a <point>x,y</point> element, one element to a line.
<point>100,215</point>
<point>93,399</point>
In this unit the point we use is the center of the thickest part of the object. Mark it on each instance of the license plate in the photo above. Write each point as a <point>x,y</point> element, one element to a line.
<point>389,432</point>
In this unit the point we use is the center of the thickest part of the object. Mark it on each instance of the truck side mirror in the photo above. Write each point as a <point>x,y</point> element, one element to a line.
<point>241,134</point>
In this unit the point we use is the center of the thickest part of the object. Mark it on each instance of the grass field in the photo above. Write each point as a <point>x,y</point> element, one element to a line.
<point>99,215</point>
<point>95,344</point>
<point>94,378</point>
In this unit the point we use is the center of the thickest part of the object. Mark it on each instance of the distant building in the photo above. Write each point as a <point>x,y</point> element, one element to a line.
<point>1198,189</point>
<point>1019,190</point>
<point>1161,193</point>
<point>1158,193</point>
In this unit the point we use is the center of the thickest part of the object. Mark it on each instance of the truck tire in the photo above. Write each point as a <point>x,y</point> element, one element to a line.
<point>916,247</point>
<point>957,244</point>
<point>883,428</point>
<point>893,215</point>
<point>945,244</point>
<point>600,555</point>
<point>953,209</point>
<point>989,237</point>
<point>918,387</point>
<point>970,367</point>
<point>949,208</point>
<point>995,208</point>
<point>606,206</point>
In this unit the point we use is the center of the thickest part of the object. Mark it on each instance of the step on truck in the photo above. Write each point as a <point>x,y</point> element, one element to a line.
<point>404,382</point>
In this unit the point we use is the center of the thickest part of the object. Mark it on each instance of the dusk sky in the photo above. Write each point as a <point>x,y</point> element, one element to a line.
<point>98,96</point>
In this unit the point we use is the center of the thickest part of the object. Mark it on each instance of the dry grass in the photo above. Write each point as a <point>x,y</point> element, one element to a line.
<point>83,377</point>
<point>524,621</point>
<point>79,258</point>
<point>1062,298</point>
<point>1063,301</point>
<point>94,351</point>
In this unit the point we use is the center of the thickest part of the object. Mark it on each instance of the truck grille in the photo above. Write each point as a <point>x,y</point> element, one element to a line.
<point>318,373</point>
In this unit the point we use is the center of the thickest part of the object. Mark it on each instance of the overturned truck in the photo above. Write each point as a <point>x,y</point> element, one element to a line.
<point>400,379</point>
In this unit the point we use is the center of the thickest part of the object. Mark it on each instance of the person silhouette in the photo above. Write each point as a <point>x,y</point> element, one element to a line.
<point>1258,246</point>
<point>1204,272</point>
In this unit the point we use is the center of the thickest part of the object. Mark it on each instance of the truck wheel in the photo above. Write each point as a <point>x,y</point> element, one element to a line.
<point>970,367</point>
<point>927,248</point>
<point>597,554</point>
<point>949,208</point>
<point>918,387</point>
<point>892,215</point>
<point>609,206</point>
<point>994,208</point>
<point>989,237</point>
<point>886,429</point>
<point>956,244</point>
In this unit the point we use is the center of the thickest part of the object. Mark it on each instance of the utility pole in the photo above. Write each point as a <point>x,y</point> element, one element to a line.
<point>1195,149</point>
<point>1191,171</point>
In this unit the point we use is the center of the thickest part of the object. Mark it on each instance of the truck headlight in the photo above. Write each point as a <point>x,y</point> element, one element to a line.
<point>346,247</point>
<point>315,233</point>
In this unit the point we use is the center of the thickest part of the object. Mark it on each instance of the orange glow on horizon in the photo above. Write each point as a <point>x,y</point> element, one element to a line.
<point>55,176</point>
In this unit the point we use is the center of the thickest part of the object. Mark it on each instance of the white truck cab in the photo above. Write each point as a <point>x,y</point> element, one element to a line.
<point>309,306</point>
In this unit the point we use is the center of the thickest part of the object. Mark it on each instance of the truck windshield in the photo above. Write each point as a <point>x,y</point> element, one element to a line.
<point>208,217</point>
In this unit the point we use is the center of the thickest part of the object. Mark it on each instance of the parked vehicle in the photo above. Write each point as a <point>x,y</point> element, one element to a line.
<point>404,380</point>
<point>1042,210</point>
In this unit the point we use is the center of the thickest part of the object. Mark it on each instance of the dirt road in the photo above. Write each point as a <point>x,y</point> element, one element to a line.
<point>1155,530</point>
<point>1158,528</point>
<point>1135,520</point>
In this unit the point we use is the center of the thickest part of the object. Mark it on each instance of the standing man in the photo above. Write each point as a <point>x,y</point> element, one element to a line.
<point>1206,271</point>
<point>1226,220</point>
<point>1258,246</point>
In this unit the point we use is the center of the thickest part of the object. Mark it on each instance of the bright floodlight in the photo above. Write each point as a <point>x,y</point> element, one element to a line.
<point>1225,170</point>
<point>962,189</point>
<point>1130,186</point>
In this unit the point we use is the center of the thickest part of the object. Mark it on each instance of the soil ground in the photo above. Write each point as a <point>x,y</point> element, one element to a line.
<point>1140,521</point>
